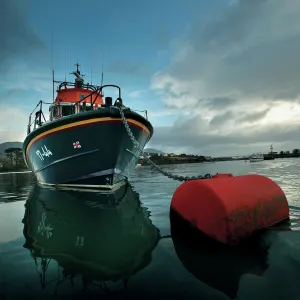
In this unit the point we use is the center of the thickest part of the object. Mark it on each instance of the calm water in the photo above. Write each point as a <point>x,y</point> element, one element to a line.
<point>66,244</point>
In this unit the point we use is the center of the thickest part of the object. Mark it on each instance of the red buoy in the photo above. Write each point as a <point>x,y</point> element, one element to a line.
<point>229,208</point>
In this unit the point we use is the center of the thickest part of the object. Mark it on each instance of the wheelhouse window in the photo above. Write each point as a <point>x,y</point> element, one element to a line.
<point>88,107</point>
<point>85,107</point>
<point>81,108</point>
<point>67,110</point>
<point>55,111</point>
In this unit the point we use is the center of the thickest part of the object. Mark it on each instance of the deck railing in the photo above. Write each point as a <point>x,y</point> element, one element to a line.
<point>40,117</point>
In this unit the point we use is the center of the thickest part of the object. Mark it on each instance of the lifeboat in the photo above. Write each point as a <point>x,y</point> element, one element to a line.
<point>84,143</point>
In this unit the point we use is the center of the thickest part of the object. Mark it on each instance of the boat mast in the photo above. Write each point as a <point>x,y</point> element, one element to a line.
<point>53,85</point>
<point>52,63</point>
<point>77,70</point>
<point>102,75</point>
<point>102,69</point>
<point>79,78</point>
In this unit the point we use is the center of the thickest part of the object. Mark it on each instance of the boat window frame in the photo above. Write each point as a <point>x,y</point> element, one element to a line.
<point>67,104</point>
<point>54,111</point>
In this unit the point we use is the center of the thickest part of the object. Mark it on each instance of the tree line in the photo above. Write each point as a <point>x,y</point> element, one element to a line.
<point>12,160</point>
<point>295,152</point>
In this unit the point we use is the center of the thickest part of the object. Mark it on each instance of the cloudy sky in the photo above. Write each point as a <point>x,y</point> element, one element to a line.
<point>217,77</point>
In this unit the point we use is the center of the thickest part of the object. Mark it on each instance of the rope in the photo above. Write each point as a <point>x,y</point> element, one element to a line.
<point>156,167</point>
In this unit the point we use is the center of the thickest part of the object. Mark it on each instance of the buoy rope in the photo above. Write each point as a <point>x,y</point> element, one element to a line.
<point>155,166</point>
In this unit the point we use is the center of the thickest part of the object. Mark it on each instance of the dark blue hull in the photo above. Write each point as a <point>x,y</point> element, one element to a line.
<point>91,148</point>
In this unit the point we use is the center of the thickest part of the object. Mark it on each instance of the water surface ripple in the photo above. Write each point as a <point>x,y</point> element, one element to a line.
<point>71,244</point>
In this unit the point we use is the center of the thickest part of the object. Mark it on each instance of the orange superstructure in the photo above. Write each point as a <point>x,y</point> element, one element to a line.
<point>75,94</point>
<point>75,97</point>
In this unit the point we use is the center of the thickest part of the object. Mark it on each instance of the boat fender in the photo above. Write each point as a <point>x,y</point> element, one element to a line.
<point>230,208</point>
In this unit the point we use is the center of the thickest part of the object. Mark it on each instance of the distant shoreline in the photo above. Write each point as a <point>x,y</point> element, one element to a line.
<point>167,160</point>
<point>173,160</point>
<point>266,157</point>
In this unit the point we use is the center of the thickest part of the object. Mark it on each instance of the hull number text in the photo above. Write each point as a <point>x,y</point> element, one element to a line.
<point>44,152</point>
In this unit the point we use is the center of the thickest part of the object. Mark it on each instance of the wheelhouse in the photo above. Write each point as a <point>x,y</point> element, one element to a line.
<point>64,109</point>
<point>73,98</point>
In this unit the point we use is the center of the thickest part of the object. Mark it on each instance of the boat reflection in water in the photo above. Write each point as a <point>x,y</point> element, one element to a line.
<point>96,239</point>
<point>219,266</point>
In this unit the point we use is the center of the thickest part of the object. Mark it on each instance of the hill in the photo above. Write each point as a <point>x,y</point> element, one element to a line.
<point>7,145</point>
<point>152,150</point>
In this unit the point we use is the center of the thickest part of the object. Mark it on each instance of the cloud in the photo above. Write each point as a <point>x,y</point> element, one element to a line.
<point>218,103</point>
<point>18,39</point>
<point>252,117</point>
<point>188,138</point>
<point>24,78</point>
<point>165,113</point>
<point>243,54</point>
<point>25,87</point>
<point>122,66</point>
<point>19,94</point>
<point>219,120</point>
<point>136,94</point>
<point>14,122</point>
<point>239,74</point>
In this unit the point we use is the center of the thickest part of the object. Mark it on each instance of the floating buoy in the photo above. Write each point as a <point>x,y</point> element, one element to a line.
<point>230,208</point>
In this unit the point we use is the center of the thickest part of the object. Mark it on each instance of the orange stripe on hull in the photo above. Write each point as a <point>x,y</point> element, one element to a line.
<point>85,123</point>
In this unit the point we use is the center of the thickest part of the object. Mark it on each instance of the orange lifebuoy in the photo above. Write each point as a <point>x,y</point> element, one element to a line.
<point>229,208</point>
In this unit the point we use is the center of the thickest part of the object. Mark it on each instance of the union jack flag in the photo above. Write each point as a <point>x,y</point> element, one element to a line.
<point>76,145</point>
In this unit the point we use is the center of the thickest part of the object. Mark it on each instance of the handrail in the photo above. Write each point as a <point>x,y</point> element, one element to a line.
<point>143,111</point>
<point>38,117</point>
<point>99,90</point>
<point>84,85</point>
<point>39,114</point>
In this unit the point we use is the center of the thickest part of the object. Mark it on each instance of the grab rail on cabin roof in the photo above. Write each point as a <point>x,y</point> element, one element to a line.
<point>66,83</point>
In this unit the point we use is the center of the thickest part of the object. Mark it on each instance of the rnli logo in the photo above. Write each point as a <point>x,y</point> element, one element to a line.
<point>76,145</point>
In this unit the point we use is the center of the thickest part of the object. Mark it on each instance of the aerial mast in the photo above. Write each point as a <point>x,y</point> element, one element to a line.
<point>53,85</point>
<point>79,79</point>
